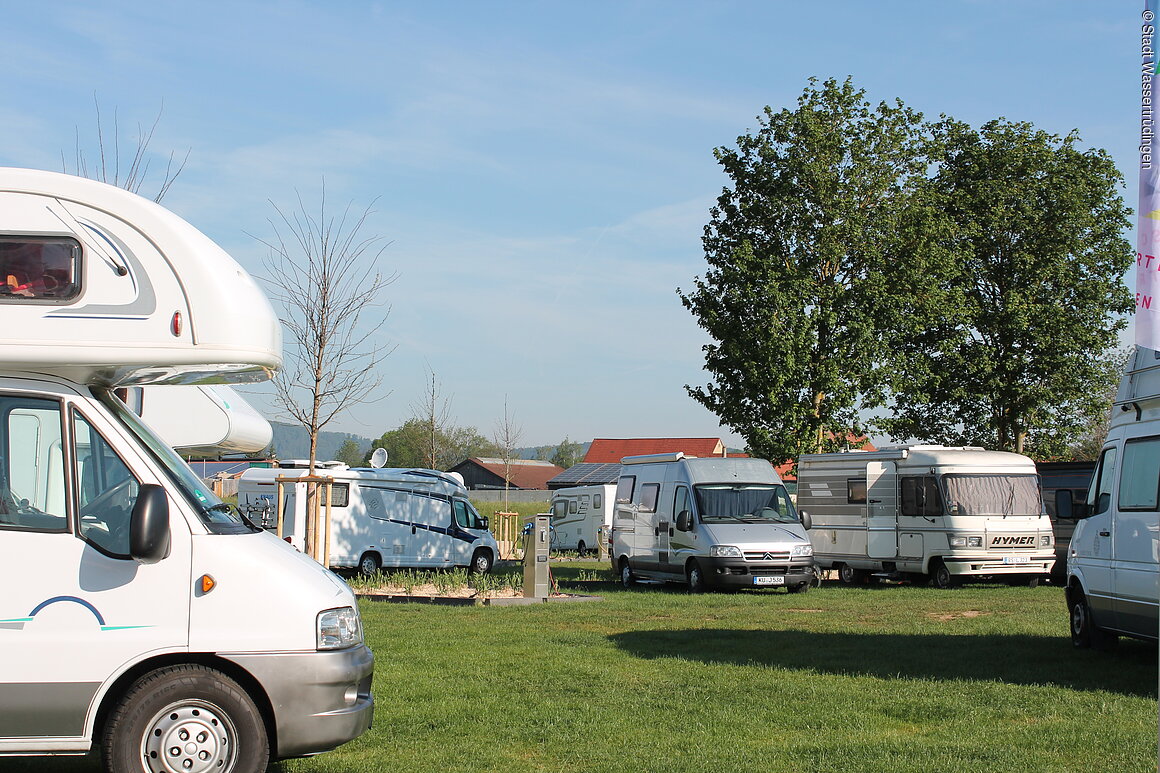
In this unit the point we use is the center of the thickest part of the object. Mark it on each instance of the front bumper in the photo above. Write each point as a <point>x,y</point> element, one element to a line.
<point>320,699</point>
<point>739,573</point>
<point>982,564</point>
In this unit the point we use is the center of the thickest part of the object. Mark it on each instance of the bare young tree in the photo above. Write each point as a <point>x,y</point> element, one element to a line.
<point>325,274</point>
<point>434,412</point>
<point>108,167</point>
<point>506,438</point>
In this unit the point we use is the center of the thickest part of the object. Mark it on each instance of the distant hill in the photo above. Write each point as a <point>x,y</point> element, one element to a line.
<point>292,442</point>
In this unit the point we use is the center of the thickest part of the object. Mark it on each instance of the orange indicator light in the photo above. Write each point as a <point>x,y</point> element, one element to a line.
<point>207,583</point>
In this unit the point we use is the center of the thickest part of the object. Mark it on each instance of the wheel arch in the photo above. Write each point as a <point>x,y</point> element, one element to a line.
<point>121,685</point>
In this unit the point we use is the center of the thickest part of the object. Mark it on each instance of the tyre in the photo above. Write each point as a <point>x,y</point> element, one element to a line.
<point>801,587</point>
<point>1084,632</point>
<point>941,577</point>
<point>481,561</point>
<point>369,564</point>
<point>696,577</point>
<point>626,577</point>
<point>185,718</point>
<point>851,576</point>
<point>581,549</point>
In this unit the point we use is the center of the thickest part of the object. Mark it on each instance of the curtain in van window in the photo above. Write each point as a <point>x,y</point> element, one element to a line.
<point>992,494</point>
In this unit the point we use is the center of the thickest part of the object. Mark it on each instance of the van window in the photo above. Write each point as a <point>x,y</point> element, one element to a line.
<point>680,501</point>
<point>744,503</point>
<point>856,491</point>
<point>559,508</point>
<point>597,501</point>
<point>465,515</point>
<point>339,495</point>
<point>32,492</point>
<point>992,494</point>
<point>1100,492</point>
<point>39,268</point>
<point>1140,476</point>
<point>625,488</point>
<point>106,491</point>
<point>649,494</point>
<point>572,506</point>
<point>920,496</point>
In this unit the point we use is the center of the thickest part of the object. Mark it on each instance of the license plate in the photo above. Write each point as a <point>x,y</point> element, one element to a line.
<point>1016,559</point>
<point>769,579</point>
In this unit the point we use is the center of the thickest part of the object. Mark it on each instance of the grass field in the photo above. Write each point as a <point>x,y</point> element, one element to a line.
<point>840,679</point>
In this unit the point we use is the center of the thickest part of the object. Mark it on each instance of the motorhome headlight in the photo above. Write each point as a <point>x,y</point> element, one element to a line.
<point>958,542</point>
<point>1045,540</point>
<point>802,550</point>
<point>974,542</point>
<point>339,628</point>
<point>725,551</point>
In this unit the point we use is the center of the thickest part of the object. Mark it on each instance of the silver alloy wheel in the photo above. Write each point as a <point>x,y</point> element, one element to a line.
<point>190,736</point>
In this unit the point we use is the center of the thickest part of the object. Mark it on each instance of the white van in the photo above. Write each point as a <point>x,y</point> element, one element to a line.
<point>708,522</point>
<point>578,515</point>
<point>139,613</point>
<point>379,517</point>
<point>1112,559</point>
<point>927,512</point>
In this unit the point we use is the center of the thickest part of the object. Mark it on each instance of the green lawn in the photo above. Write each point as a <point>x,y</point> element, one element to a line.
<point>862,679</point>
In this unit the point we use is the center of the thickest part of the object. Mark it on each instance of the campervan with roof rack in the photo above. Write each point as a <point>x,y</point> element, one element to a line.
<point>710,523</point>
<point>926,512</point>
<point>379,517</point>
<point>140,614</point>
<point>580,514</point>
<point>1112,567</point>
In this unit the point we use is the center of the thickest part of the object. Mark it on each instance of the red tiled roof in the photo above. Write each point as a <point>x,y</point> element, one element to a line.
<point>524,473</point>
<point>612,450</point>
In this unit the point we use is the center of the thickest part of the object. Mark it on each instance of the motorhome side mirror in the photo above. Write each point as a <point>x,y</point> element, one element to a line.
<point>485,523</point>
<point>807,522</point>
<point>1067,509</point>
<point>685,521</point>
<point>149,525</point>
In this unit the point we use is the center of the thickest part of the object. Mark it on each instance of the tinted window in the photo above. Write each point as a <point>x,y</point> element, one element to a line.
<point>1100,492</point>
<point>39,268</point>
<point>32,492</point>
<point>1140,476</point>
<point>920,496</point>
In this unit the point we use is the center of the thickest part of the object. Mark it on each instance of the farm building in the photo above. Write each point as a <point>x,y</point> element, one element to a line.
<point>522,473</point>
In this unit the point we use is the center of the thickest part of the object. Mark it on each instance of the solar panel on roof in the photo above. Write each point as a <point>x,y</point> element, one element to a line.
<point>587,474</point>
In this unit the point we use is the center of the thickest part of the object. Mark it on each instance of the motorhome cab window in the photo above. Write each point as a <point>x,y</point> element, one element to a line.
<point>217,516</point>
<point>106,491</point>
<point>1141,476</point>
<point>856,491</point>
<point>39,268</point>
<point>32,493</point>
<point>992,494</point>
<point>624,489</point>
<point>1100,493</point>
<point>649,494</point>
<point>920,496</point>
<point>466,517</point>
<point>747,503</point>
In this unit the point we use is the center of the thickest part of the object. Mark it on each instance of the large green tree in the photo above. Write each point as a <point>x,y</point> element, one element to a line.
<point>1032,298</point>
<point>811,252</point>
<point>409,445</point>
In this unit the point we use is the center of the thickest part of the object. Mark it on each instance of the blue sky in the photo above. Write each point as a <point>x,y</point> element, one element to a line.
<point>541,170</point>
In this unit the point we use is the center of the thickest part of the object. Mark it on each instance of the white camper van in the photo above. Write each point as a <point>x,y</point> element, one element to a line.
<point>139,613</point>
<point>578,515</point>
<point>926,512</point>
<point>708,522</point>
<point>379,517</point>
<point>1112,559</point>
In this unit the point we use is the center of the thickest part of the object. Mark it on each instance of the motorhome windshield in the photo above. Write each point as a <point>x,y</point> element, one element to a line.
<point>744,502</point>
<point>998,494</point>
<point>218,517</point>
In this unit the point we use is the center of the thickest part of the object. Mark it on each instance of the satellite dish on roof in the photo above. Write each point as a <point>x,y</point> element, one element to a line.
<point>379,458</point>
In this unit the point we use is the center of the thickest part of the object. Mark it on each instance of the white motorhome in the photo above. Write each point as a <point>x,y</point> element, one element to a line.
<point>708,522</point>
<point>379,517</point>
<point>578,515</point>
<point>139,613</point>
<point>1112,564</point>
<point>926,512</point>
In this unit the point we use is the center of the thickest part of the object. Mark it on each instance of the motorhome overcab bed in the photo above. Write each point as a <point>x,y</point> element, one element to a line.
<point>925,512</point>
<point>379,517</point>
<point>1112,566</point>
<point>140,614</point>
<point>708,522</point>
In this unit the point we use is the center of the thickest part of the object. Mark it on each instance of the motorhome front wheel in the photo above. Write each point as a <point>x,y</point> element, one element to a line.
<point>186,719</point>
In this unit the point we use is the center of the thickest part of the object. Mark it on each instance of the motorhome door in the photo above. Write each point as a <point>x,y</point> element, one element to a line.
<point>881,510</point>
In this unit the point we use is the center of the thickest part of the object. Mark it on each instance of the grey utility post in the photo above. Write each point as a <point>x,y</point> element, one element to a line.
<point>536,543</point>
